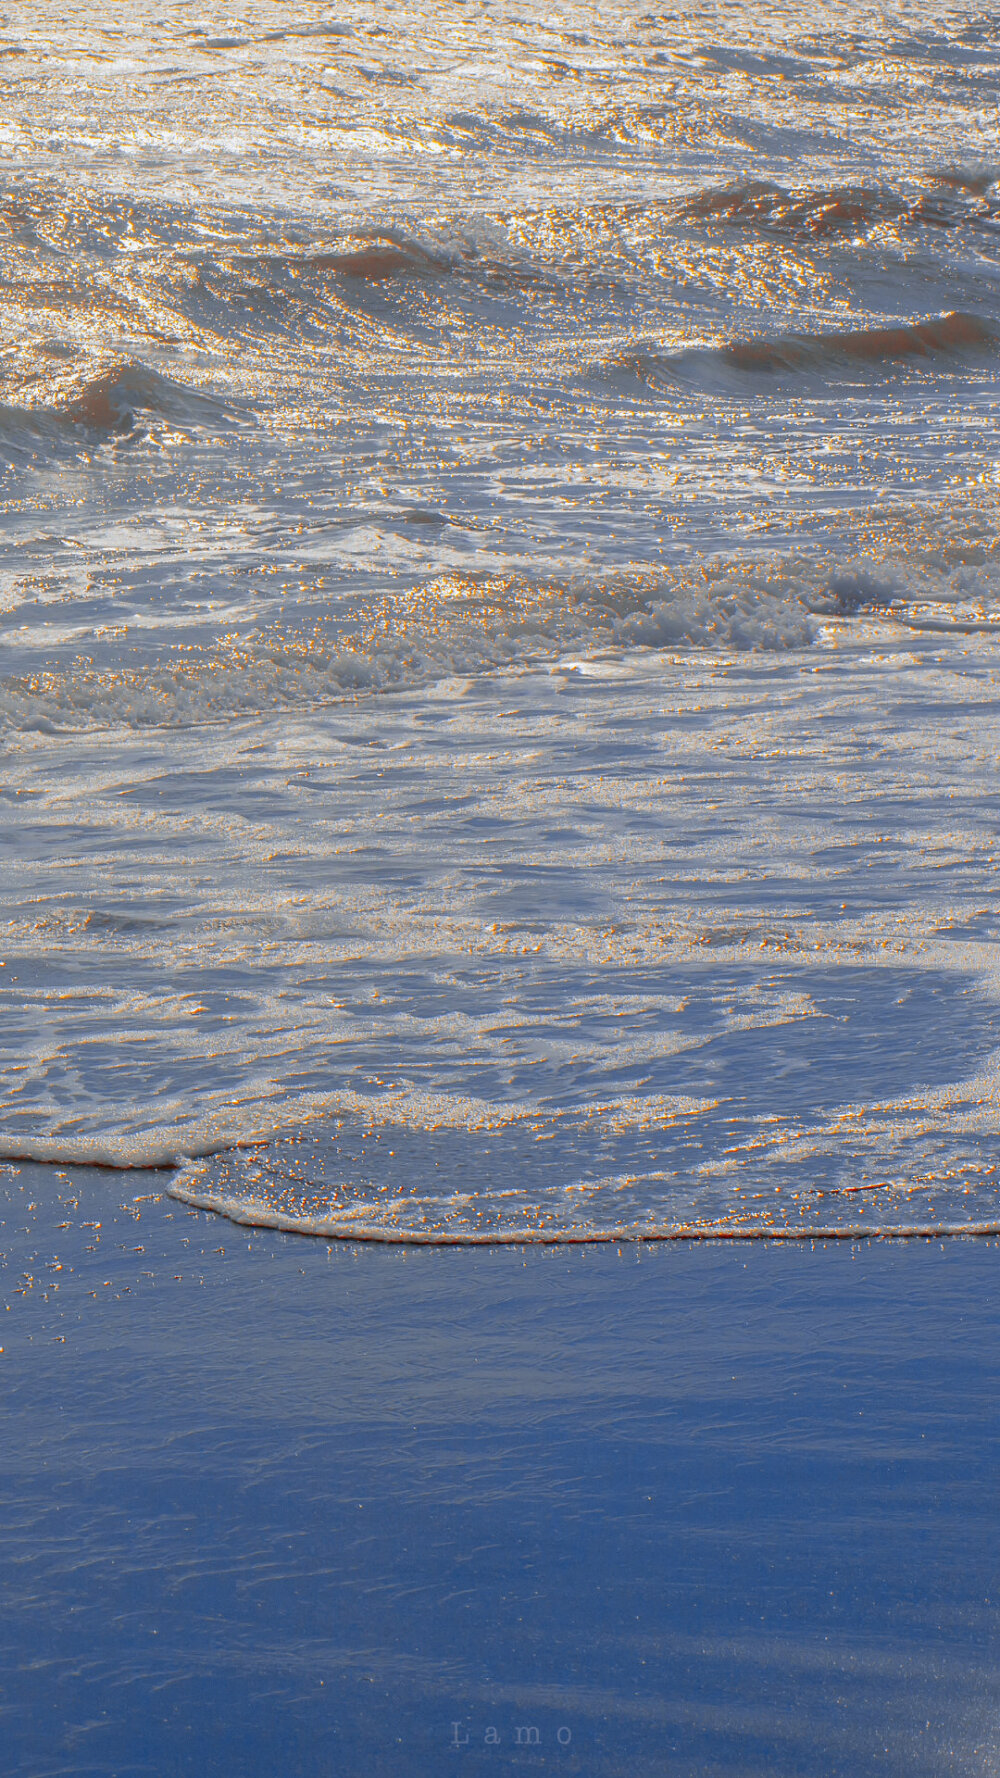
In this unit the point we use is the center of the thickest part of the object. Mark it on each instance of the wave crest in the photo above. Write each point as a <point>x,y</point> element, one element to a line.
<point>464,625</point>
<point>68,410</point>
<point>955,334</point>
<point>812,213</point>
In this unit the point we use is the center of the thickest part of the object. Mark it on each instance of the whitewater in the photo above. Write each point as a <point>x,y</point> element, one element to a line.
<point>499,594</point>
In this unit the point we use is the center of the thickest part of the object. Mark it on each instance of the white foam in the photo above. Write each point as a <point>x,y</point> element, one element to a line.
<point>250,1212</point>
<point>453,626</point>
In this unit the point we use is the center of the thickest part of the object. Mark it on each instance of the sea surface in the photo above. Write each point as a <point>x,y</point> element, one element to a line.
<point>499,605</point>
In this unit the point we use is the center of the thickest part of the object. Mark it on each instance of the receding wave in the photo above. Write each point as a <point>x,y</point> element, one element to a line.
<point>423,1172</point>
<point>433,1169</point>
<point>380,1185</point>
<point>955,332</point>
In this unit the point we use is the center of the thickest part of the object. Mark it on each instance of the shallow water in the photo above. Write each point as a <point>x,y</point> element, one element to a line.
<point>498,592</point>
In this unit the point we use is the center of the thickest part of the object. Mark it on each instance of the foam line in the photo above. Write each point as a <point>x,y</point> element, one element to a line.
<point>251,1216</point>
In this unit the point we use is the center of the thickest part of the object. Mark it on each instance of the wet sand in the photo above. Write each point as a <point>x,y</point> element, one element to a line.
<point>273,1505</point>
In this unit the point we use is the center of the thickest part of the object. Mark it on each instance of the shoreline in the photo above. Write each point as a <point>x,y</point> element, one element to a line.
<point>283,1505</point>
<point>360,1233</point>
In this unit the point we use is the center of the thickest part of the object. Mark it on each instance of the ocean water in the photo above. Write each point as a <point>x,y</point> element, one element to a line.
<point>498,601</point>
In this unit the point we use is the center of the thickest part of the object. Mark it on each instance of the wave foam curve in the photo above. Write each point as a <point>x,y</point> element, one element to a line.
<point>249,1213</point>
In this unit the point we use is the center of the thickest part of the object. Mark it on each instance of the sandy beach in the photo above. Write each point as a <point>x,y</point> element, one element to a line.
<point>276,1504</point>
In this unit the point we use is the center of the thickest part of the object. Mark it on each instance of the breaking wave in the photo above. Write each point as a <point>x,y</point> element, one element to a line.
<point>292,291</point>
<point>596,127</point>
<point>376,257</point>
<point>465,625</point>
<point>98,267</point>
<point>950,335</point>
<point>116,399</point>
<point>453,625</point>
<point>251,1213</point>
